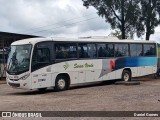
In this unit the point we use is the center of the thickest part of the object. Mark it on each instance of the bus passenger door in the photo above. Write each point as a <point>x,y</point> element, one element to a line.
<point>41,65</point>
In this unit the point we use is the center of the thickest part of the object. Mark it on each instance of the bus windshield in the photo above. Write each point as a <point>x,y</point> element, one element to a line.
<point>19,59</point>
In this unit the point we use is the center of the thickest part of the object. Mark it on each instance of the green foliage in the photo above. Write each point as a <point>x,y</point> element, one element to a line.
<point>129,16</point>
<point>150,15</point>
<point>116,34</point>
<point>121,14</point>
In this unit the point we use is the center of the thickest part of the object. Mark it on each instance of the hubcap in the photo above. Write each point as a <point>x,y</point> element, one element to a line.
<point>126,77</point>
<point>61,83</point>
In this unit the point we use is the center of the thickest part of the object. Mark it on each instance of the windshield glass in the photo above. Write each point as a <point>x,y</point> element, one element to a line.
<point>19,59</point>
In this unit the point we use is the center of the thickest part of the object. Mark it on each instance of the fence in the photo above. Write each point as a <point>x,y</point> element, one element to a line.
<point>3,70</point>
<point>3,63</point>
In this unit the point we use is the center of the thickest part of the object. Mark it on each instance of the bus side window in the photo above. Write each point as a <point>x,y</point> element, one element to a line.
<point>65,50</point>
<point>149,50</point>
<point>41,57</point>
<point>91,50</point>
<point>110,50</point>
<point>44,55</point>
<point>121,50</point>
<point>136,50</point>
<point>87,50</point>
<point>82,50</point>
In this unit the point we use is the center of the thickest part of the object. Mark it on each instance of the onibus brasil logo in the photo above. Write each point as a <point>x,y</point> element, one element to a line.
<point>66,65</point>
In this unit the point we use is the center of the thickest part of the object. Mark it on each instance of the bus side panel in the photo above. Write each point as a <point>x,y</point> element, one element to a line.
<point>146,70</point>
<point>154,69</point>
<point>80,71</point>
<point>65,68</point>
<point>41,78</point>
<point>134,71</point>
<point>144,66</point>
<point>54,75</point>
<point>118,74</point>
<point>109,76</point>
<point>107,66</point>
<point>73,77</point>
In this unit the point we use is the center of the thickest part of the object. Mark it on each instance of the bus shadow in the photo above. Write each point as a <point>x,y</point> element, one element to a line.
<point>80,86</point>
<point>32,92</point>
<point>89,85</point>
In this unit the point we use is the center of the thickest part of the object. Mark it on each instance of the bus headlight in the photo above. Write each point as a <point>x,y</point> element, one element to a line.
<point>24,77</point>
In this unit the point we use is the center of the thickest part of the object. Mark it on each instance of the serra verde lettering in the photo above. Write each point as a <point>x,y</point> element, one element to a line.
<point>86,65</point>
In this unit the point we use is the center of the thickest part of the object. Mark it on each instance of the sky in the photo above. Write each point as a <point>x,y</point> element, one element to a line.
<point>56,18</point>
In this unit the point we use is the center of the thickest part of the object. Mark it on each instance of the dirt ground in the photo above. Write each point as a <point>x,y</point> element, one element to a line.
<point>95,97</point>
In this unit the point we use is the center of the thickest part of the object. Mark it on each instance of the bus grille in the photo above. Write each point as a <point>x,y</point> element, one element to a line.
<point>14,84</point>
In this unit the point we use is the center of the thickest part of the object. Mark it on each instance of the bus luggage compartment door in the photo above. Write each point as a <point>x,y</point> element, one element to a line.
<point>41,80</point>
<point>81,76</point>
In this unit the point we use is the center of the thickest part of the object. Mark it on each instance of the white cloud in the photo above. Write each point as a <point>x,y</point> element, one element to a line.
<point>58,17</point>
<point>54,17</point>
<point>63,3</point>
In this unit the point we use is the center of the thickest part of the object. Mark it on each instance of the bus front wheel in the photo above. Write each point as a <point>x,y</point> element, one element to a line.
<point>60,83</point>
<point>126,75</point>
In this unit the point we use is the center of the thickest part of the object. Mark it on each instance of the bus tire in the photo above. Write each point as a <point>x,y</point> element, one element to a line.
<point>126,75</point>
<point>60,83</point>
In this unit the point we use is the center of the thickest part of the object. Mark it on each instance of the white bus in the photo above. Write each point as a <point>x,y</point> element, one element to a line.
<point>39,63</point>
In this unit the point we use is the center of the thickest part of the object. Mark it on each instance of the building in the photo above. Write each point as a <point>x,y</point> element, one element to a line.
<point>6,39</point>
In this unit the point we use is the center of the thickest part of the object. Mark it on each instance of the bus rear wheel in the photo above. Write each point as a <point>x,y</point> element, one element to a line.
<point>61,83</point>
<point>126,75</point>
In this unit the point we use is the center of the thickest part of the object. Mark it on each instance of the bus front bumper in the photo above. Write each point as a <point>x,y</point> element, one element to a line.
<point>15,85</point>
<point>18,84</point>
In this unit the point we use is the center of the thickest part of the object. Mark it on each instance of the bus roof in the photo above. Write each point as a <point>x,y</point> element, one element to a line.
<point>83,39</point>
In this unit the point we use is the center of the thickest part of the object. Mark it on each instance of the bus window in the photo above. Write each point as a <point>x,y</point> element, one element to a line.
<point>41,55</point>
<point>101,50</point>
<point>105,50</point>
<point>136,50</point>
<point>149,50</point>
<point>82,50</point>
<point>110,50</point>
<point>87,50</point>
<point>41,58</point>
<point>91,50</point>
<point>121,50</point>
<point>65,50</point>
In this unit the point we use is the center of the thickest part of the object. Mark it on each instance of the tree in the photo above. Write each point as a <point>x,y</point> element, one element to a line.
<point>116,33</point>
<point>121,14</point>
<point>150,15</point>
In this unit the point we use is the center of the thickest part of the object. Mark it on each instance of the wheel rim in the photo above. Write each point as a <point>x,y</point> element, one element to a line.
<point>61,83</point>
<point>126,77</point>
